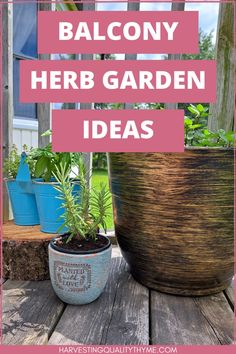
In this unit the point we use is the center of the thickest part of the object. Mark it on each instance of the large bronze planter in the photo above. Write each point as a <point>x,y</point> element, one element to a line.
<point>174,218</point>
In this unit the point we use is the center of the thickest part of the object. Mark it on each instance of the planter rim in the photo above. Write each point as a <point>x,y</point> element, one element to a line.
<point>186,148</point>
<point>43,182</point>
<point>52,182</point>
<point>78,253</point>
<point>204,148</point>
<point>9,179</point>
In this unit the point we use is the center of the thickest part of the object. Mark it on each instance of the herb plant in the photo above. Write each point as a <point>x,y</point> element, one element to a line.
<point>12,163</point>
<point>47,161</point>
<point>85,212</point>
<point>197,133</point>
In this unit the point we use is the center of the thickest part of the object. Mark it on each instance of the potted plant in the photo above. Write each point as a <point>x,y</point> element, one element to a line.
<point>46,166</point>
<point>79,261</point>
<point>174,220</point>
<point>19,186</point>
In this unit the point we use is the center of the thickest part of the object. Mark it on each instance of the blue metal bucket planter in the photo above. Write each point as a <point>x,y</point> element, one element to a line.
<point>22,198</point>
<point>79,279</point>
<point>23,204</point>
<point>49,206</point>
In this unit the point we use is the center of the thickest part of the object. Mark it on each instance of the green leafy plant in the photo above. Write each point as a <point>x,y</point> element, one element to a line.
<point>30,161</point>
<point>47,161</point>
<point>85,212</point>
<point>197,134</point>
<point>12,163</point>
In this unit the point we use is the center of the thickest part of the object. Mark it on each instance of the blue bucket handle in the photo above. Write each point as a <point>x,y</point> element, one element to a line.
<point>23,177</point>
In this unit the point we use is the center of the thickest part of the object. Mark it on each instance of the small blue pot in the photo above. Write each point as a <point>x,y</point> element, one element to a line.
<point>79,278</point>
<point>49,206</point>
<point>23,203</point>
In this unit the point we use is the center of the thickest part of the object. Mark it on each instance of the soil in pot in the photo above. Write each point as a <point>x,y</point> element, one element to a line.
<point>81,245</point>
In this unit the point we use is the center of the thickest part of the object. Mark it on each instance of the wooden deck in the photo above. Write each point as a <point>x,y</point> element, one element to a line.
<point>126,313</point>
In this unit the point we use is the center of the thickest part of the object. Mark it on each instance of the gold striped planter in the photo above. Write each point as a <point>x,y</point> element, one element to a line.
<point>174,218</point>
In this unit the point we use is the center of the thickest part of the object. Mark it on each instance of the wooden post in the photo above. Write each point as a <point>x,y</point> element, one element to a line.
<point>44,122</point>
<point>222,112</point>
<point>131,6</point>
<point>88,156</point>
<point>7,89</point>
<point>44,109</point>
<point>176,6</point>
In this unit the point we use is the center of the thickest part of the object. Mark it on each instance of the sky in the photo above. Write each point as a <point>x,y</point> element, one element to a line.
<point>208,14</point>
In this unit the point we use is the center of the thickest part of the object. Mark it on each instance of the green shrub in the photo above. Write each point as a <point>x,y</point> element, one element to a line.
<point>196,132</point>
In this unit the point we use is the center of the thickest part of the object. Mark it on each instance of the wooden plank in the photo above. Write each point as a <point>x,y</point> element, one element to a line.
<point>176,6</point>
<point>44,114</point>
<point>7,91</point>
<point>131,6</point>
<point>88,156</point>
<point>88,161</point>
<point>30,312</point>
<point>24,233</point>
<point>229,293</point>
<point>44,109</point>
<point>130,315</point>
<point>219,315</point>
<point>222,112</point>
<point>177,320</point>
<point>120,315</point>
<point>190,321</point>
<point>86,5</point>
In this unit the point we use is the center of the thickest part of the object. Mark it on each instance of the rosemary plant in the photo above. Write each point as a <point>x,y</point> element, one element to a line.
<point>85,212</point>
